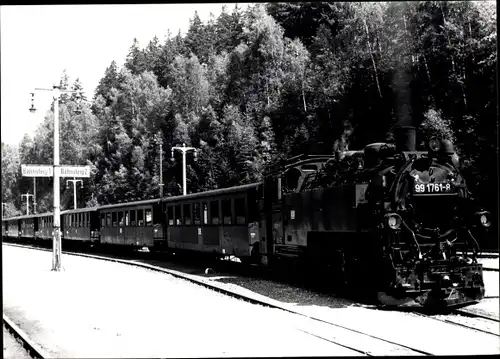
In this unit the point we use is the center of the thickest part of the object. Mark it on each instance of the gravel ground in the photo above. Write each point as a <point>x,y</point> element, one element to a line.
<point>12,349</point>
<point>102,309</point>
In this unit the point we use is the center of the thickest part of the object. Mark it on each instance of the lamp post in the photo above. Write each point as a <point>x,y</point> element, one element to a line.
<point>56,91</point>
<point>184,149</point>
<point>27,195</point>
<point>34,195</point>
<point>74,180</point>
<point>159,141</point>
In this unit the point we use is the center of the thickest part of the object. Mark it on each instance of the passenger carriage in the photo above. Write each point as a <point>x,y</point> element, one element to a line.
<point>136,224</point>
<point>223,222</point>
<point>80,225</point>
<point>4,228</point>
<point>12,228</point>
<point>28,226</point>
<point>45,226</point>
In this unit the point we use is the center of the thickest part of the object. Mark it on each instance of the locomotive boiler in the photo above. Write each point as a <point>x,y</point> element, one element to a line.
<point>388,220</point>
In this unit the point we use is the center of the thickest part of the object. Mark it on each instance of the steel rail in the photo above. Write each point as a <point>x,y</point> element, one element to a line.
<point>464,325</point>
<point>33,349</point>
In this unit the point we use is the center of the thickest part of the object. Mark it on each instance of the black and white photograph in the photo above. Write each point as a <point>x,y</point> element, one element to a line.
<point>220,180</point>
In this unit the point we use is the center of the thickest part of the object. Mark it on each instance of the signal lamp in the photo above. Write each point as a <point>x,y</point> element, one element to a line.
<point>434,144</point>
<point>393,221</point>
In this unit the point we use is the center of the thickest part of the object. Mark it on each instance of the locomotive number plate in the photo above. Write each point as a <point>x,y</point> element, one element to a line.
<point>423,188</point>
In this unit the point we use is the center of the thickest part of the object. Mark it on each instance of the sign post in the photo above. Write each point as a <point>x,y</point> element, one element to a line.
<point>56,247</point>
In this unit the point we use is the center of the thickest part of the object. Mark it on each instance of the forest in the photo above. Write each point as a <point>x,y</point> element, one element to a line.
<point>251,87</point>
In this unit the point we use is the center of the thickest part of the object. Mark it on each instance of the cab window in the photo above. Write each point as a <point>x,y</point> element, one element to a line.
<point>177,215</point>
<point>149,217</point>
<point>226,211</point>
<point>140,217</point>
<point>133,222</point>
<point>214,212</point>
<point>240,210</point>
<point>170,215</point>
<point>196,214</point>
<point>187,214</point>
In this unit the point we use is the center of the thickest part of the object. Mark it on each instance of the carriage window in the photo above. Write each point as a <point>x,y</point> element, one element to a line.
<point>177,215</point>
<point>214,212</point>
<point>170,215</point>
<point>226,211</point>
<point>205,212</point>
<point>88,219</point>
<point>140,217</point>
<point>80,219</point>
<point>196,213</point>
<point>113,216</point>
<point>120,219</point>
<point>108,219</point>
<point>149,217</point>
<point>103,220</point>
<point>187,214</point>
<point>132,218</point>
<point>127,219</point>
<point>239,209</point>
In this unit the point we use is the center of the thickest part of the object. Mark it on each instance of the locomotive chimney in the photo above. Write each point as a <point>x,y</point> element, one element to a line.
<point>405,138</point>
<point>405,134</point>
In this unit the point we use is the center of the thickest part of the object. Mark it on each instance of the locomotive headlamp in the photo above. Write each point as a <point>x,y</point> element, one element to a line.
<point>393,221</point>
<point>484,218</point>
<point>434,144</point>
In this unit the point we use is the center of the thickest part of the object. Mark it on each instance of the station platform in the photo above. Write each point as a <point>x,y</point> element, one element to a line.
<point>98,309</point>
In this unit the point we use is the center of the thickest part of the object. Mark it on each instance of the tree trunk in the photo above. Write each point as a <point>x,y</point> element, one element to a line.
<point>457,76</point>
<point>304,95</point>
<point>372,58</point>
<point>427,68</point>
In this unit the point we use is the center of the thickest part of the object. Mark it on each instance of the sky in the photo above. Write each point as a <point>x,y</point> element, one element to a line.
<point>39,42</point>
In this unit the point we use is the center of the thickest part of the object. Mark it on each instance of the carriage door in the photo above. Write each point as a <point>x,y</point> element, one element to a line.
<point>271,216</point>
<point>121,227</point>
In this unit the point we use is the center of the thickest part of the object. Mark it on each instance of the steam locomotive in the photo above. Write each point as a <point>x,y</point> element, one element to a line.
<point>390,219</point>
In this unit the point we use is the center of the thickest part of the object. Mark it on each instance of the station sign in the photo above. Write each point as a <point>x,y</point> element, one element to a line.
<point>48,171</point>
<point>73,171</point>
<point>37,170</point>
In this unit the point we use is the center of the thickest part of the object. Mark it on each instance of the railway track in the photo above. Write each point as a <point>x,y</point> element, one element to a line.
<point>309,324</point>
<point>469,320</point>
<point>30,346</point>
